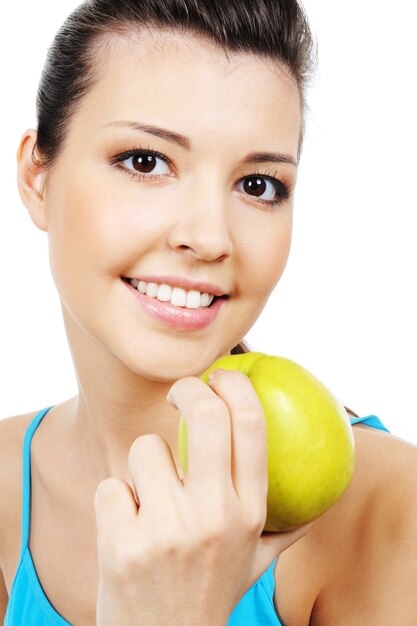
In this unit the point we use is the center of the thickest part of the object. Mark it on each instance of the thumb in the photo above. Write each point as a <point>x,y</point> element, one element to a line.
<point>271,544</point>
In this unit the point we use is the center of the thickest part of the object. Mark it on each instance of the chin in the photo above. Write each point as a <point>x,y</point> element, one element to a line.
<point>171,364</point>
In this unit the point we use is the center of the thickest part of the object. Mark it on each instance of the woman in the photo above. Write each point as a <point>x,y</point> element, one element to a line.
<point>163,169</point>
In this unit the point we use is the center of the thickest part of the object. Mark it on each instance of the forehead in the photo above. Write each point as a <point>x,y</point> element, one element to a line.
<point>189,83</point>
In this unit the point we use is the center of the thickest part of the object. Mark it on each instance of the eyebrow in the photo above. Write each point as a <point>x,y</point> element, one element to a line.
<point>184,142</point>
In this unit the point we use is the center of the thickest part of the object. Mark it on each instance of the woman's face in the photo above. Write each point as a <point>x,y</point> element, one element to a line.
<point>199,211</point>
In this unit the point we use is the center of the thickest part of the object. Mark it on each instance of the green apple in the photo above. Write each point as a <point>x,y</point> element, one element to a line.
<point>310,444</point>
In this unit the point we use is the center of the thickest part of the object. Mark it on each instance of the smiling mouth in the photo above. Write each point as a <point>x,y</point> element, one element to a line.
<point>188,299</point>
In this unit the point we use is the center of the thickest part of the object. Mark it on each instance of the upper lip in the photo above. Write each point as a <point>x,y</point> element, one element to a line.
<point>185,283</point>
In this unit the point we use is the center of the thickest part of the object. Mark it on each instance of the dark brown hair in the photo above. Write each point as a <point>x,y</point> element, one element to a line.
<point>277,30</point>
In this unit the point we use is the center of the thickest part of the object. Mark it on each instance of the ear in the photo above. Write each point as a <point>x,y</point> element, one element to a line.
<point>31,181</point>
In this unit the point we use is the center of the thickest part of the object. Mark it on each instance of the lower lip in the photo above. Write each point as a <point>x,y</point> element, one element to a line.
<point>176,316</point>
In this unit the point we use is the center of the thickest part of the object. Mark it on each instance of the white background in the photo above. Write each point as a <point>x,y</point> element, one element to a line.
<point>346,306</point>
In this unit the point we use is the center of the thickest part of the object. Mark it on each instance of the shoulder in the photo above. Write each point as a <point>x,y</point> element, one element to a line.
<point>387,472</point>
<point>348,557</point>
<point>384,480</point>
<point>12,433</point>
<point>368,539</point>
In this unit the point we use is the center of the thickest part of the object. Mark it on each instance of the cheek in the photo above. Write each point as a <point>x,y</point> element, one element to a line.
<point>267,254</point>
<point>100,229</point>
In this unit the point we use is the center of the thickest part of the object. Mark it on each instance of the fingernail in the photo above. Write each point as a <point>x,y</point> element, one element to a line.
<point>214,373</point>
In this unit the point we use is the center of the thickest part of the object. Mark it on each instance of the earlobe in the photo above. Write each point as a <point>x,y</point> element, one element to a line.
<point>31,180</point>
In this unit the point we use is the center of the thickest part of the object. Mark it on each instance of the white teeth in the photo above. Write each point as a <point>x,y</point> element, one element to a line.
<point>152,290</point>
<point>205,299</point>
<point>193,300</point>
<point>179,296</point>
<point>164,293</point>
<point>176,295</point>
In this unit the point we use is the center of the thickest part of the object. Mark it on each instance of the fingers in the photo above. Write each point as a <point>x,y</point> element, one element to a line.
<point>271,545</point>
<point>248,423</point>
<point>208,435</point>
<point>154,475</point>
<point>114,507</point>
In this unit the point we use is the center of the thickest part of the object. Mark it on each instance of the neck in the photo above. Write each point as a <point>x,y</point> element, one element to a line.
<point>114,407</point>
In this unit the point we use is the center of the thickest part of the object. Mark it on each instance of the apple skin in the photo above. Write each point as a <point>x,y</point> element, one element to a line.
<point>310,443</point>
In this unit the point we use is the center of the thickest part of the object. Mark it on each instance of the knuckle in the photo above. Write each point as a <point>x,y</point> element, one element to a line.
<point>218,526</point>
<point>150,441</point>
<point>169,546</point>
<point>182,383</point>
<point>239,378</point>
<point>213,536</point>
<point>211,409</point>
<point>119,559</point>
<point>108,486</point>
<point>238,375</point>
<point>254,524</point>
<point>125,561</point>
<point>251,417</point>
<point>130,558</point>
<point>107,491</point>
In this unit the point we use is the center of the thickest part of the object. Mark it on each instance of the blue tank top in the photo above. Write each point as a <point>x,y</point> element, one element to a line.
<point>29,606</point>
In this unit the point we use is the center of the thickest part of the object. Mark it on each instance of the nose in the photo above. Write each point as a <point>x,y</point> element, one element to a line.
<point>202,226</point>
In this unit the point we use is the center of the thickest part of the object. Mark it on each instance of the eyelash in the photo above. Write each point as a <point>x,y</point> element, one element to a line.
<point>281,188</point>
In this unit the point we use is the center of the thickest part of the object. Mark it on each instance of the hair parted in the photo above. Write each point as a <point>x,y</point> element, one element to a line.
<point>276,30</point>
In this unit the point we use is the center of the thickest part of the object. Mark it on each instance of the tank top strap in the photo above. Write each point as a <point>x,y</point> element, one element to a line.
<point>26,486</point>
<point>268,579</point>
<point>369,420</point>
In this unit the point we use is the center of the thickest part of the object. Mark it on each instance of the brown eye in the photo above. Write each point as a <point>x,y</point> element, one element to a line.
<point>255,186</point>
<point>265,188</point>
<point>144,164</point>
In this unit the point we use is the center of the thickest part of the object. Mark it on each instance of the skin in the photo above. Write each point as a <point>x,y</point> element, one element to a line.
<point>198,222</point>
<point>195,220</point>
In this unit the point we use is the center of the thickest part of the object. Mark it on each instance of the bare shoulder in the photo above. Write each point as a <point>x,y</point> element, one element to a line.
<point>338,565</point>
<point>12,433</point>
<point>377,560</point>
<point>358,564</point>
<point>385,480</point>
<point>16,425</point>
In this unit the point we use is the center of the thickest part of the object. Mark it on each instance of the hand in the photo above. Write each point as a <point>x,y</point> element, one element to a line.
<point>193,547</point>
